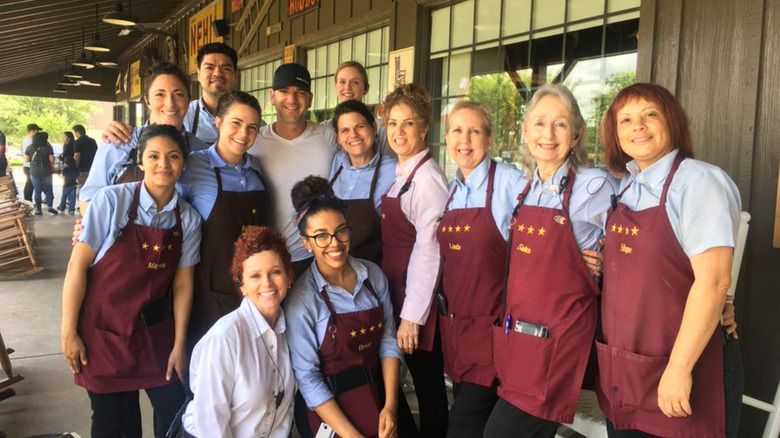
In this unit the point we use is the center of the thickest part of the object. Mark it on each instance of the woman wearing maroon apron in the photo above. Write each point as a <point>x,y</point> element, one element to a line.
<point>128,291</point>
<point>360,175</point>
<point>472,238</point>
<point>668,258</point>
<point>225,186</point>
<point>410,251</point>
<point>341,329</point>
<point>543,339</point>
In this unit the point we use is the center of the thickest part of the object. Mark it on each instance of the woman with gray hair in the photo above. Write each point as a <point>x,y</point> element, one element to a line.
<point>544,334</point>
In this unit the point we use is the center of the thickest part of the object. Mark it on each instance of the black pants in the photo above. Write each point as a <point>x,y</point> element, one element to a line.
<point>471,409</point>
<point>427,370</point>
<point>28,185</point>
<point>733,387</point>
<point>506,421</point>
<point>118,415</point>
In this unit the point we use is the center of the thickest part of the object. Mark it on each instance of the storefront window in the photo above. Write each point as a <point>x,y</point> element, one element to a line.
<point>257,81</point>
<point>368,48</point>
<point>499,59</point>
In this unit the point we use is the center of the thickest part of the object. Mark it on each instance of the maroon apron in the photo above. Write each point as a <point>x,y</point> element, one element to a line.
<point>473,253</point>
<point>647,278</point>
<point>547,284</point>
<point>366,241</point>
<point>136,272</point>
<point>398,238</point>
<point>215,293</point>
<point>350,348</point>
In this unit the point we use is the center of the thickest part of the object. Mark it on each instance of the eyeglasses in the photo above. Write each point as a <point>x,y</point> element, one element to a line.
<point>323,240</point>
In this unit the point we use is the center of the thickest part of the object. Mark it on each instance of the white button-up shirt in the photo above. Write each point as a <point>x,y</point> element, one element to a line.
<point>237,369</point>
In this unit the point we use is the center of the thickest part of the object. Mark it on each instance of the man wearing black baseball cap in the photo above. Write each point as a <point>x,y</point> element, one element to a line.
<point>291,149</point>
<point>32,129</point>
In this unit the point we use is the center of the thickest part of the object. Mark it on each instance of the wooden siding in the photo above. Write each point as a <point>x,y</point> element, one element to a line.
<point>720,58</point>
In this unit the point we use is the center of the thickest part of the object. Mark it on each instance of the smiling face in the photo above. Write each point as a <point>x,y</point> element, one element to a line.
<point>334,256</point>
<point>167,101</point>
<point>405,132</point>
<point>356,137</point>
<point>162,162</point>
<point>548,132</point>
<point>216,74</point>
<point>264,282</point>
<point>643,132</point>
<point>237,132</point>
<point>350,85</point>
<point>291,104</point>
<point>467,140</point>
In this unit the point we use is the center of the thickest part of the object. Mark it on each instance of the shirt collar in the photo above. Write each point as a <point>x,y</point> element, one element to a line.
<point>146,201</point>
<point>476,178</point>
<point>320,282</point>
<point>216,161</point>
<point>402,170</point>
<point>551,183</point>
<point>656,173</point>
<point>257,324</point>
<point>344,161</point>
<point>203,107</point>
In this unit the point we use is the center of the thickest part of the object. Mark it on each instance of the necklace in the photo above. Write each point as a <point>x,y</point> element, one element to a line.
<point>279,393</point>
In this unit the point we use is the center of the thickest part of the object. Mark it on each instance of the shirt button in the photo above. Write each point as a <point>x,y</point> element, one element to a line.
<point>272,346</point>
<point>243,182</point>
<point>641,178</point>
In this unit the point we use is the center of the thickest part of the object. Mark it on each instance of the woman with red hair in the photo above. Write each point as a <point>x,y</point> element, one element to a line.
<point>667,267</point>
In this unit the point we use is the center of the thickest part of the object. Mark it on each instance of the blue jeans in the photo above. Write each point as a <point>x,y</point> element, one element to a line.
<point>39,185</point>
<point>69,196</point>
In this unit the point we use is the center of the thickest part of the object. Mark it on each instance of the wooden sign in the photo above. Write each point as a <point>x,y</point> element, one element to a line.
<point>201,32</point>
<point>134,80</point>
<point>300,6</point>
<point>289,54</point>
<point>401,68</point>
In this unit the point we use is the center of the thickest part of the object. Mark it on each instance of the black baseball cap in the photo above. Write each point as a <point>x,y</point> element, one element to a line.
<point>33,127</point>
<point>292,75</point>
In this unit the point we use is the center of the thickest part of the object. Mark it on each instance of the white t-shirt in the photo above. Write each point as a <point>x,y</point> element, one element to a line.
<point>284,163</point>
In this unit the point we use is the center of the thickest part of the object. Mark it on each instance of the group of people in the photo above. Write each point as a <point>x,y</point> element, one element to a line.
<point>325,256</point>
<point>78,151</point>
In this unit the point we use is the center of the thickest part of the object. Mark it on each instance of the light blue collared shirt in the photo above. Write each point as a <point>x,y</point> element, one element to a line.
<point>588,205</point>
<point>355,183</point>
<point>703,203</point>
<point>507,184</point>
<point>307,320</point>
<point>207,128</point>
<point>111,161</point>
<point>198,183</point>
<point>107,214</point>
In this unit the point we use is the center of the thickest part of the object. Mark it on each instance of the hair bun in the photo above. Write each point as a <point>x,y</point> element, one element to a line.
<point>309,188</point>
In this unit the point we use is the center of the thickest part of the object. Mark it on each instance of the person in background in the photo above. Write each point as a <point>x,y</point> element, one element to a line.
<point>3,159</point>
<point>351,83</point>
<point>410,251</point>
<point>40,156</point>
<point>342,328</point>
<point>128,290</point>
<point>472,237</point>
<point>84,150</point>
<point>240,372</point>
<point>360,175</point>
<point>167,91</point>
<point>547,322</point>
<point>70,173</point>
<point>290,149</point>
<point>670,240</point>
<point>32,129</point>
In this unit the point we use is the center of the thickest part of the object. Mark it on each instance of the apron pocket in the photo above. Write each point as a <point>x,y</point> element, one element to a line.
<point>144,354</point>
<point>471,341</point>
<point>635,378</point>
<point>360,405</point>
<point>523,362</point>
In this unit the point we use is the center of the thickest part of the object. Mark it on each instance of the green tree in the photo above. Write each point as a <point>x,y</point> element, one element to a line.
<point>601,101</point>
<point>54,115</point>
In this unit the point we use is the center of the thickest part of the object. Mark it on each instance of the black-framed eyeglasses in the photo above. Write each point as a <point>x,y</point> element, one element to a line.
<point>323,240</point>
